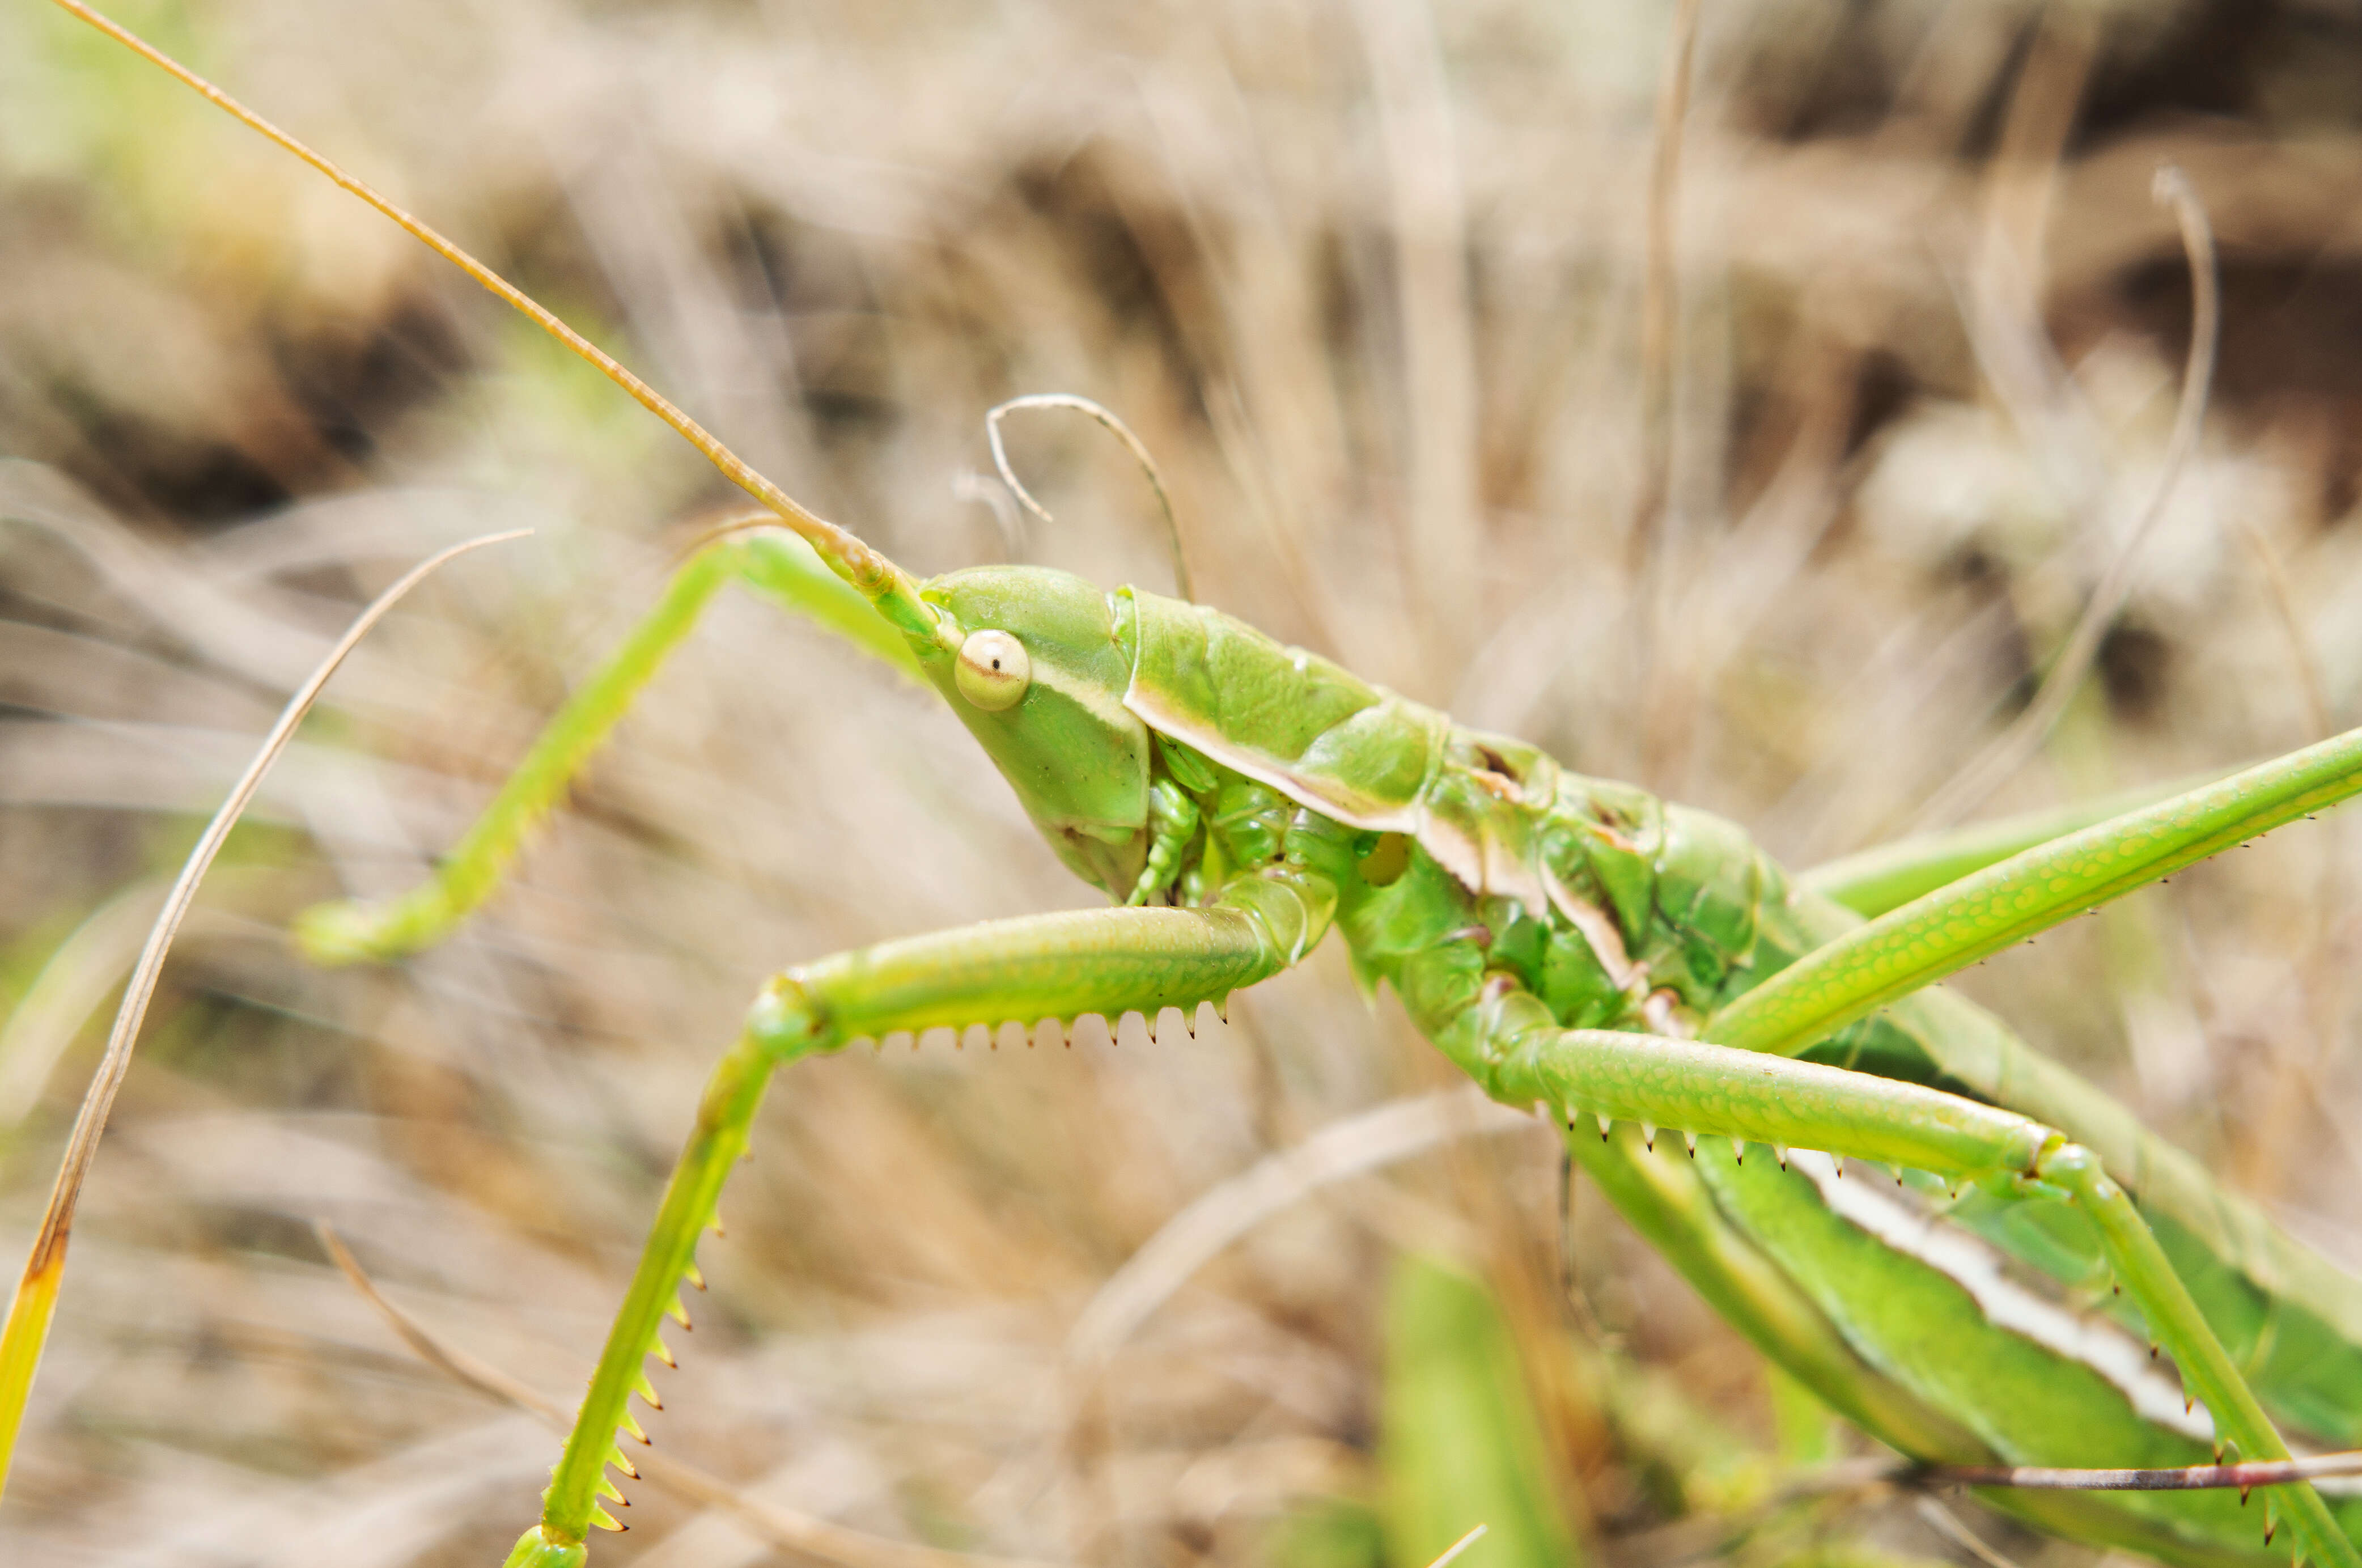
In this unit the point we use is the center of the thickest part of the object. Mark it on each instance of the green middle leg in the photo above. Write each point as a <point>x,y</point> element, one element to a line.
<point>1108,962</point>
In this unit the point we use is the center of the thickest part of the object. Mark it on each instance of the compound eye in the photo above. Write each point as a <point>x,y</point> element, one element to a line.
<point>993,670</point>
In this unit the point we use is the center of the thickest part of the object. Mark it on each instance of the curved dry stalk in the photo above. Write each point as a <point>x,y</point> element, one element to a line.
<point>787,1528</point>
<point>1229,1209</point>
<point>735,520</point>
<point>2189,1478</point>
<point>1991,767</point>
<point>36,1299</point>
<point>1114,426</point>
<point>1910,1476</point>
<point>1649,545</point>
<point>1434,361</point>
<point>1224,1212</point>
<point>1659,305</point>
<point>79,977</point>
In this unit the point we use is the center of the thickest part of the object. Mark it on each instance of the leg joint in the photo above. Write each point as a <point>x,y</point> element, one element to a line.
<point>2070,1168</point>
<point>789,1019</point>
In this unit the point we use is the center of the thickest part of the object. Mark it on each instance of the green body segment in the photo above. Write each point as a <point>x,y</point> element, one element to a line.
<point>1895,1345</point>
<point>1280,716</point>
<point>2024,1376</point>
<point>1669,1203</point>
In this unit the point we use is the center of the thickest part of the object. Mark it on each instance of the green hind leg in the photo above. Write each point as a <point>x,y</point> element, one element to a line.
<point>774,563</point>
<point>1108,962</point>
<point>1510,1043</point>
<point>1887,876</point>
<point>1918,943</point>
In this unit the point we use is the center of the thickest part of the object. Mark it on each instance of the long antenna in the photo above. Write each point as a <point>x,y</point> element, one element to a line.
<point>1114,426</point>
<point>847,552</point>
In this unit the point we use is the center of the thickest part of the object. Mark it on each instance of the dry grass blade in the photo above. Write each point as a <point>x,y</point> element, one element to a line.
<point>1658,298</point>
<point>785,1528</point>
<point>1851,1476</point>
<point>37,1292</point>
<point>1427,209</point>
<point>1228,1210</point>
<point>2186,1478</point>
<point>1969,787</point>
<point>457,1365</point>
<point>1457,1547</point>
<point>1650,547</point>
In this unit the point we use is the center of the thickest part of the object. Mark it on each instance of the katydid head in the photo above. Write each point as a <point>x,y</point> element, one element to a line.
<point>1030,660</point>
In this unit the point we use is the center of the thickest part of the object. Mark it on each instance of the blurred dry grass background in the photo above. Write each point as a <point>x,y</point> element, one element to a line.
<point>1365,276</point>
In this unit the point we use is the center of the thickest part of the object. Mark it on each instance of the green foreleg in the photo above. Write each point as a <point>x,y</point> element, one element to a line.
<point>1108,962</point>
<point>572,1503</point>
<point>1514,1047</point>
<point>1915,945</point>
<point>779,565</point>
